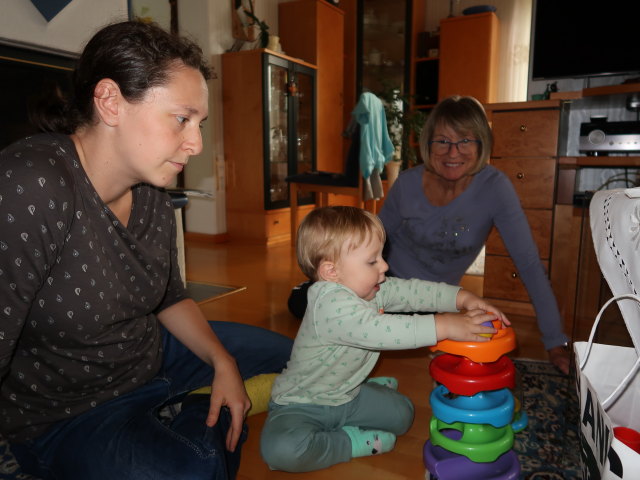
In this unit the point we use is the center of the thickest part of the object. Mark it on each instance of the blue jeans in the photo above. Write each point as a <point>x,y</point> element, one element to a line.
<point>126,438</point>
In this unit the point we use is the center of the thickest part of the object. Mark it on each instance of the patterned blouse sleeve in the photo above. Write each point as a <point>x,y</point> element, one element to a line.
<point>36,208</point>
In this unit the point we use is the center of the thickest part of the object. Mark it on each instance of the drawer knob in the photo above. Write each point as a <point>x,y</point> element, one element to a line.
<point>276,222</point>
<point>519,175</point>
<point>514,275</point>
<point>523,128</point>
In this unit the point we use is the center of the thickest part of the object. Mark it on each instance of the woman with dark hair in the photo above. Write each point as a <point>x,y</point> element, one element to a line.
<point>99,343</point>
<point>438,215</point>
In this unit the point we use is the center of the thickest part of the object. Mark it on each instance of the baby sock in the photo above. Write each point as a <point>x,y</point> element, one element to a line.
<point>390,382</point>
<point>369,442</point>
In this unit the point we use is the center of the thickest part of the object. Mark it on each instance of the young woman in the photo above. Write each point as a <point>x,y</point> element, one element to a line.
<point>98,339</point>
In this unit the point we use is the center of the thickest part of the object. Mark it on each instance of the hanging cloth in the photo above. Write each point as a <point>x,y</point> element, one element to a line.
<point>376,148</point>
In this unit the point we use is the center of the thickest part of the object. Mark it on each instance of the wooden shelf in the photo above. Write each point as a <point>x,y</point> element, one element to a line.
<point>611,89</point>
<point>597,91</point>
<point>599,161</point>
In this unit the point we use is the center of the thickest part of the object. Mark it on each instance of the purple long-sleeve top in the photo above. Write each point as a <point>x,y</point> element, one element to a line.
<point>439,243</point>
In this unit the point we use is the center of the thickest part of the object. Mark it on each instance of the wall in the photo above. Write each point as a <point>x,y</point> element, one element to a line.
<point>209,22</point>
<point>22,24</point>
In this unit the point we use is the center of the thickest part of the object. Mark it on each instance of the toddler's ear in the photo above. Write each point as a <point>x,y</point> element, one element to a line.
<point>327,271</point>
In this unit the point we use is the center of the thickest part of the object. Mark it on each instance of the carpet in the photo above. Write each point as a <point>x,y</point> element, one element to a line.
<point>549,448</point>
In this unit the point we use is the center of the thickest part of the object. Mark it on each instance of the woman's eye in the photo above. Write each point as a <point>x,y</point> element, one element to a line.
<point>181,120</point>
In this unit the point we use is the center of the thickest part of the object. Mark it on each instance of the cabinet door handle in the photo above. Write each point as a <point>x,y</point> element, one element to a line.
<point>514,275</point>
<point>523,128</point>
<point>519,175</point>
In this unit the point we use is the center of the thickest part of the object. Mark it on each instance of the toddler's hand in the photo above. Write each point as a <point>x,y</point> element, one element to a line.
<point>464,327</point>
<point>468,301</point>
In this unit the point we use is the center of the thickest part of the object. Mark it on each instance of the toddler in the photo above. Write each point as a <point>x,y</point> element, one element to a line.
<point>324,410</point>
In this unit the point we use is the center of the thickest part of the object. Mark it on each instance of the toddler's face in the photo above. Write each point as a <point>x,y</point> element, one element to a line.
<point>362,269</point>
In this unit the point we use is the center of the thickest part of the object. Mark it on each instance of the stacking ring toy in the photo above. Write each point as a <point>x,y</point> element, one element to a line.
<point>494,407</point>
<point>446,465</point>
<point>520,418</point>
<point>477,442</point>
<point>466,377</point>
<point>503,341</point>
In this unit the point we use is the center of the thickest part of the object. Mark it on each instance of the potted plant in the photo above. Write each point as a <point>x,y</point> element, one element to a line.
<point>404,126</point>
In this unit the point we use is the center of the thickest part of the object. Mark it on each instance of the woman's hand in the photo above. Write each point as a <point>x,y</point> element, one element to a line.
<point>464,327</point>
<point>559,357</point>
<point>468,301</point>
<point>187,323</point>
<point>228,391</point>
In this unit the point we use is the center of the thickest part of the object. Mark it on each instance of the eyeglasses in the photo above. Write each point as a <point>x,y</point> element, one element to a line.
<point>464,146</point>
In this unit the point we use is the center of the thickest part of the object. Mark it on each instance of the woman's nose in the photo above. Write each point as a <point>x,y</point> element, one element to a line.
<point>193,141</point>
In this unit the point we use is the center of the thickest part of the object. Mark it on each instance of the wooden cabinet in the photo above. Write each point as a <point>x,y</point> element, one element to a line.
<point>530,146</point>
<point>269,133</point>
<point>525,149</point>
<point>469,56</point>
<point>313,30</point>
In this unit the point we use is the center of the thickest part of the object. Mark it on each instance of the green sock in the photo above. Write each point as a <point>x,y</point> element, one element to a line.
<point>369,442</point>
<point>390,382</point>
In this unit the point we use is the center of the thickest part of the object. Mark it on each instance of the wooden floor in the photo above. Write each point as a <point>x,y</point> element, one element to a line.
<point>269,273</point>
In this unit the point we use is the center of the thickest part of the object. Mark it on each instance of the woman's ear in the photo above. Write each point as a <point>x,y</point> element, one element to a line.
<point>327,271</point>
<point>106,101</point>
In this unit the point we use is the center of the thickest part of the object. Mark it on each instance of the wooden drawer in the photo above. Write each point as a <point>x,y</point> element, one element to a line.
<point>540,222</point>
<point>533,179</point>
<point>525,133</point>
<point>276,223</point>
<point>501,279</point>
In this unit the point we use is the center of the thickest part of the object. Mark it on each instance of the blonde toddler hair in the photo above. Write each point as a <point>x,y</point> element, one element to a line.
<point>326,231</point>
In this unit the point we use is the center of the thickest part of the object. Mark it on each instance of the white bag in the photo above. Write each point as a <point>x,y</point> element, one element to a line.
<point>607,372</point>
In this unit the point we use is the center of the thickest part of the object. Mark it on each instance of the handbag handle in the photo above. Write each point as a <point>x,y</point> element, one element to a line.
<point>614,395</point>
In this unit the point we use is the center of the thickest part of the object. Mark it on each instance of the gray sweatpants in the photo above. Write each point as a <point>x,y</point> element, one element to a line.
<point>302,438</point>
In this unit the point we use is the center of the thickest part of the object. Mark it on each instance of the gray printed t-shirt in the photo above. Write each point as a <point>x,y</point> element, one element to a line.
<point>341,336</point>
<point>78,290</point>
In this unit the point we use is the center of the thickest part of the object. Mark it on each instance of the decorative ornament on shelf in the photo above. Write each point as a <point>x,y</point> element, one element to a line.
<point>404,124</point>
<point>263,38</point>
<point>245,25</point>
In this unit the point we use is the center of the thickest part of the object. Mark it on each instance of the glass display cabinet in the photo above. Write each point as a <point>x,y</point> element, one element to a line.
<point>384,45</point>
<point>269,124</point>
<point>289,111</point>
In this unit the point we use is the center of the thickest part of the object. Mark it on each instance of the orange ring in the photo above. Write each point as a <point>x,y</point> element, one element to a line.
<point>503,341</point>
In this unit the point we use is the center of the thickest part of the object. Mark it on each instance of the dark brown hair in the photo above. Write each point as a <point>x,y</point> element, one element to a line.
<point>136,55</point>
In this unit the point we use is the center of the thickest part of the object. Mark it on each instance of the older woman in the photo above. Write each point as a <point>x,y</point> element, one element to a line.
<point>438,215</point>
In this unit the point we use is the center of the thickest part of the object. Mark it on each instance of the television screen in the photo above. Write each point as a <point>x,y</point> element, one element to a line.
<point>576,39</point>
<point>26,78</point>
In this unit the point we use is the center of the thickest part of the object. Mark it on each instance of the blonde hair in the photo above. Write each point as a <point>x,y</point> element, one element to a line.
<point>326,231</point>
<point>465,115</point>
